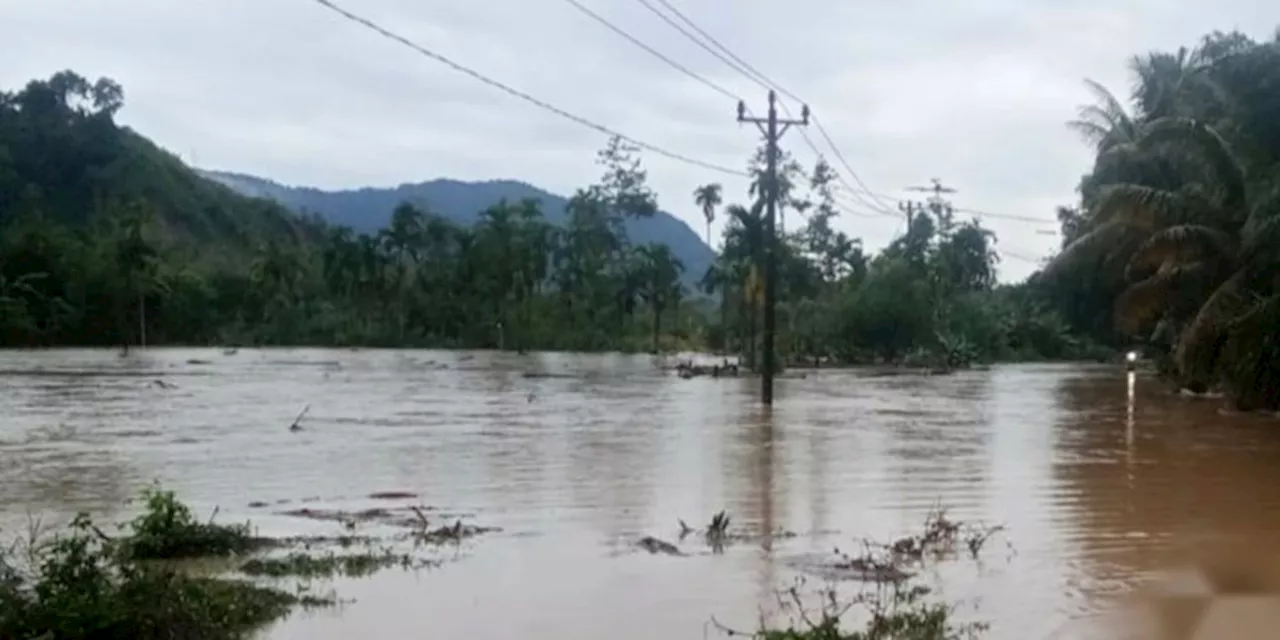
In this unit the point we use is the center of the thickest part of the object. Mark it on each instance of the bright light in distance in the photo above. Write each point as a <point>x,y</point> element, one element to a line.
<point>1132,356</point>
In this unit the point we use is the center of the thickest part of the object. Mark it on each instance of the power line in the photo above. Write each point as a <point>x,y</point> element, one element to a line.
<point>742,66</point>
<point>1006,216</point>
<point>654,52</point>
<point>328,4</point>
<point>1004,252</point>
<point>840,156</point>
<point>995,216</point>
<point>1019,256</point>
<point>745,68</point>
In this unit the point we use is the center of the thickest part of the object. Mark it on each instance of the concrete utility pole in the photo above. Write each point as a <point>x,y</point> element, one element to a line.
<point>770,128</point>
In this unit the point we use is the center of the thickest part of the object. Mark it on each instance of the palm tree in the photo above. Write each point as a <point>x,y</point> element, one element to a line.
<point>716,281</point>
<point>744,250</point>
<point>135,261</point>
<point>402,240</point>
<point>659,282</point>
<point>1172,209</point>
<point>708,198</point>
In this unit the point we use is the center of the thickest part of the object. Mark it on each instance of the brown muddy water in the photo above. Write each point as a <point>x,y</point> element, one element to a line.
<point>1098,478</point>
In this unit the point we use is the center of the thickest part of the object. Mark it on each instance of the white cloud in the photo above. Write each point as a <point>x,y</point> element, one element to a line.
<point>975,94</point>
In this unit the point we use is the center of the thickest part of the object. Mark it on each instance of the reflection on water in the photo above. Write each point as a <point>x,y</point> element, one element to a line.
<point>1100,475</point>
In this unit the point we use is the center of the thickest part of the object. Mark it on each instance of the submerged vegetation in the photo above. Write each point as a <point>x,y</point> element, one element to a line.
<point>166,529</point>
<point>892,601</point>
<point>84,583</point>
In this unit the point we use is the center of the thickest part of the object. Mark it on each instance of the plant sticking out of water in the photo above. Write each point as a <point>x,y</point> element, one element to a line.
<point>167,529</point>
<point>889,612</point>
<point>76,585</point>
<point>717,533</point>
<point>893,603</point>
<point>456,532</point>
<point>940,538</point>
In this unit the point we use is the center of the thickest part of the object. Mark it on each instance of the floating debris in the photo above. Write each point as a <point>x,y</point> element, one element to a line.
<point>297,422</point>
<point>655,546</point>
<point>392,495</point>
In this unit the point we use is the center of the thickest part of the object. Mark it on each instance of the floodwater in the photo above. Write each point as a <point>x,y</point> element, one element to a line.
<point>1098,477</point>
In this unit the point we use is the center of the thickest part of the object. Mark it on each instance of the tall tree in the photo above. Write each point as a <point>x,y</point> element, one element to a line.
<point>708,197</point>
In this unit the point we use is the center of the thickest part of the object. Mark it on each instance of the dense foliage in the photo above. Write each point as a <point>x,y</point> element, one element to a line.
<point>368,209</point>
<point>930,298</point>
<point>108,240</point>
<point>1175,237</point>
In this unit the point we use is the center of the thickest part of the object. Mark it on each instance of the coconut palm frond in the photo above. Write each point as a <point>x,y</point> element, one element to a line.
<point>1174,288</point>
<point>1182,243</point>
<point>1144,302</point>
<point>1252,347</point>
<point>1118,155</point>
<point>1200,137</point>
<point>1095,246</point>
<point>1140,205</point>
<point>1261,242</point>
<point>1197,350</point>
<point>1108,106</point>
<point>1093,132</point>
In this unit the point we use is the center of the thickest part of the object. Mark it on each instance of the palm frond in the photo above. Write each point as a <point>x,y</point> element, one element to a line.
<point>1095,246</point>
<point>1108,106</point>
<point>1146,301</point>
<point>1139,205</point>
<point>1262,240</point>
<point>1252,349</point>
<point>1198,346</point>
<point>1092,132</point>
<point>1182,243</point>
<point>1200,137</point>
<point>1117,155</point>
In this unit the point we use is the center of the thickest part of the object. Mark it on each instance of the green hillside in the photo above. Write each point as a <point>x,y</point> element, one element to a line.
<point>107,239</point>
<point>62,156</point>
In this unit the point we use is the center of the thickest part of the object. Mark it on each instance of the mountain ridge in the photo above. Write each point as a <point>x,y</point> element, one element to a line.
<point>368,209</point>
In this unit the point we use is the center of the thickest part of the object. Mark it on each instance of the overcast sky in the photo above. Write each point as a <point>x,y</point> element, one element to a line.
<point>974,93</point>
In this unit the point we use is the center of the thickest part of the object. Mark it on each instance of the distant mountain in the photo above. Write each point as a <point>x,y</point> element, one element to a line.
<point>369,209</point>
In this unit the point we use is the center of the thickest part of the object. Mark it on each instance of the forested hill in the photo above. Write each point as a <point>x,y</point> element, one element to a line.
<point>368,210</point>
<point>63,157</point>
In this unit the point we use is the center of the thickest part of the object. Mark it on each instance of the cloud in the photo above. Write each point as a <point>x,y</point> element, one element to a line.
<point>975,94</point>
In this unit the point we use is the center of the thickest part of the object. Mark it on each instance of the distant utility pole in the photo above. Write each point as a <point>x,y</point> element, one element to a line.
<point>769,126</point>
<point>935,203</point>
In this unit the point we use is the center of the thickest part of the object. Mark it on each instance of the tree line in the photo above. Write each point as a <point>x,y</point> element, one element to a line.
<point>1175,242</point>
<point>96,250</point>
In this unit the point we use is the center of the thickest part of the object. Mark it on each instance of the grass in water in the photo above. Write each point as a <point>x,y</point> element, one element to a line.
<point>303,565</point>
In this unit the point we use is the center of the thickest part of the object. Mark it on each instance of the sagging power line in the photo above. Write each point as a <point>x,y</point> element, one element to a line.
<point>653,52</point>
<point>328,4</point>
<point>713,85</point>
<point>736,62</point>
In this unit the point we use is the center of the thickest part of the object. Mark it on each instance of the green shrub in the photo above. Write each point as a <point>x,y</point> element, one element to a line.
<point>76,586</point>
<point>168,530</point>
